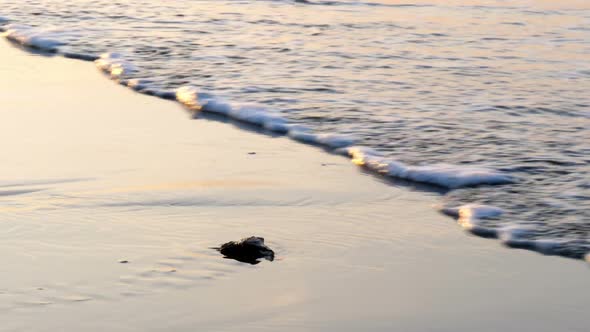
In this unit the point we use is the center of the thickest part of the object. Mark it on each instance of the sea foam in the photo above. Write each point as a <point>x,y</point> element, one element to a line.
<point>43,39</point>
<point>332,141</point>
<point>256,115</point>
<point>189,97</point>
<point>115,65</point>
<point>472,218</point>
<point>477,211</point>
<point>444,175</point>
<point>259,116</point>
<point>523,237</point>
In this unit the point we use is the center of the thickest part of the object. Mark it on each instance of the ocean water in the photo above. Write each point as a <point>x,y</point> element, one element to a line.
<point>487,101</point>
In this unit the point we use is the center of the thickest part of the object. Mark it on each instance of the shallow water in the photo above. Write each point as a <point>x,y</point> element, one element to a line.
<point>495,83</point>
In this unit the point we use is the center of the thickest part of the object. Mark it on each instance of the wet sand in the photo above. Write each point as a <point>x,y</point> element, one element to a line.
<point>93,174</point>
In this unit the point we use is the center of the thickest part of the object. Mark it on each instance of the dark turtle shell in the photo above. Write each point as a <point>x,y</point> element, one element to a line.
<point>248,250</point>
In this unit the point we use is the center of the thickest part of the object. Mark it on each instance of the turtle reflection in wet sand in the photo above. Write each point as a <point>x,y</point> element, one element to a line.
<point>248,250</point>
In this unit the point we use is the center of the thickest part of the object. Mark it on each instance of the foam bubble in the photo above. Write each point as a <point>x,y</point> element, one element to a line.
<point>43,39</point>
<point>194,100</point>
<point>472,218</point>
<point>332,141</point>
<point>258,116</point>
<point>513,233</point>
<point>450,176</point>
<point>479,211</point>
<point>137,84</point>
<point>213,105</point>
<point>115,65</point>
<point>444,175</point>
<point>277,127</point>
<point>189,97</point>
<point>118,67</point>
<point>543,246</point>
<point>303,136</point>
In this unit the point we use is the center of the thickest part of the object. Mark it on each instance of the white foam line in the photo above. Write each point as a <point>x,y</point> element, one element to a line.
<point>449,176</point>
<point>47,40</point>
<point>115,65</point>
<point>472,217</point>
<point>444,175</point>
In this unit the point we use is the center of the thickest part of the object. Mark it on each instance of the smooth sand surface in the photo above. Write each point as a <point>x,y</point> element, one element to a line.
<point>93,173</point>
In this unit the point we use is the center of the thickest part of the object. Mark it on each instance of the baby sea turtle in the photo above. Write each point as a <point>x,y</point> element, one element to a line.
<point>247,250</point>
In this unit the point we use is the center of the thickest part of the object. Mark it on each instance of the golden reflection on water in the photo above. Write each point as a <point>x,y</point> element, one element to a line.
<point>466,218</point>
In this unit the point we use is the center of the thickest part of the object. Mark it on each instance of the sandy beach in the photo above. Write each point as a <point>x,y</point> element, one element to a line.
<point>94,174</point>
